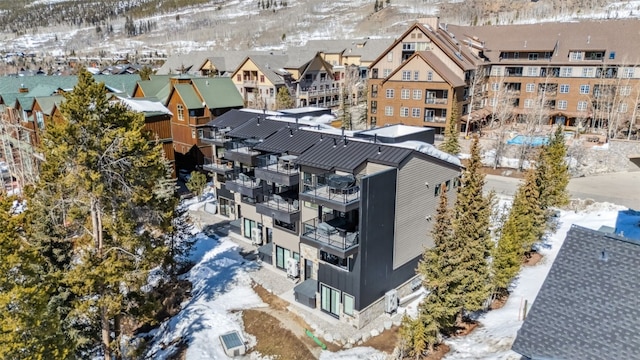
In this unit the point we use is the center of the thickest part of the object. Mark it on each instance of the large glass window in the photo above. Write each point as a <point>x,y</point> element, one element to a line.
<point>248,225</point>
<point>282,255</point>
<point>330,300</point>
<point>348,303</point>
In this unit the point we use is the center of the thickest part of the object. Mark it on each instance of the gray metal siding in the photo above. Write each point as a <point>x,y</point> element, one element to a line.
<point>415,201</point>
<point>376,238</point>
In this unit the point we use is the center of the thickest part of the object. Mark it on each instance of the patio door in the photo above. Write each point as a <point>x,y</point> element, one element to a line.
<point>330,300</point>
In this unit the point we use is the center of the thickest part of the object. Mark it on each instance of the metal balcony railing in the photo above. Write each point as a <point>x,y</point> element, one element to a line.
<point>279,203</point>
<point>341,195</point>
<point>277,164</point>
<point>325,233</point>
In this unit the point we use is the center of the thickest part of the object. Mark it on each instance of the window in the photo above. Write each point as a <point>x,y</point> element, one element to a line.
<point>248,226</point>
<point>40,119</point>
<point>406,75</point>
<point>516,55</point>
<point>430,76</point>
<point>547,54</point>
<point>415,112</point>
<point>239,77</point>
<point>390,57</point>
<point>533,56</point>
<point>575,55</point>
<point>390,93</point>
<point>612,55</point>
<point>623,108</point>
<point>582,106</point>
<point>200,133</point>
<point>180,109</point>
<point>404,111</point>
<point>528,103</point>
<point>417,94</point>
<point>386,72</point>
<point>532,71</point>
<point>456,182</point>
<point>531,87</point>
<point>405,93</point>
<point>388,110</point>
<point>261,78</point>
<point>564,89</point>
<point>495,86</point>
<point>628,72</point>
<point>496,71</point>
<point>348,303</point>
<point>493,101</point>
<point>416,75</point>
<point>584,89</point>
<point>374,106</point>
<point>566,71</point>
<point>587,72</point>
<point>437,190</point>
<point>330,300</point>
<point>625,90</point>
<point>282,255</point>
<point>562,104</point>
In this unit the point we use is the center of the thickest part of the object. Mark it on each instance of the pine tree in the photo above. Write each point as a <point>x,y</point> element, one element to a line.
<point>451,145</point>
<point>197,183</point>
<point>552,172</point>
<point>471,226</point>
<point>95,159</point>
<point>523,228</point>
<point>284,99</point>
<point>30,324</point>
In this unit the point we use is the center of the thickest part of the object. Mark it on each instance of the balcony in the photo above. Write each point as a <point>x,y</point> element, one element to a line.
<point>334,236</point>
<point>244,185</point>
<point>435,119</point>
<point>336,192</point>
<point>217,166</point>
<point>437,101</point>
<point>305,94</point>
<point>281,209</point>
<point>242,152</point>
<point>215,137</point>
<point>279,170</point>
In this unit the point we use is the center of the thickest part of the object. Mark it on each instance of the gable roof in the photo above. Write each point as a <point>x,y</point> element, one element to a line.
<point>332,154</point>
<point>154,86</point>
<point>115,83</point>
<point>272,66</point>
<point>587,308</point>
<point>218,92</point>
<point>189,96</point>
<point>48,103</point>
<point>232,119</point>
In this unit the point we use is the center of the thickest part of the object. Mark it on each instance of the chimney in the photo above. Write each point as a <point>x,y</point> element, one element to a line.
<point>375,138</point>
<point>23,89</point>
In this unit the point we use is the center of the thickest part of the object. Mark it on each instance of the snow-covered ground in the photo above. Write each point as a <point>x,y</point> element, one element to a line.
<point>222,284</point>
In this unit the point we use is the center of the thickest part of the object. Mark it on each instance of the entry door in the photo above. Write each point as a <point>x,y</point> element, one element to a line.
<point>308,269</point>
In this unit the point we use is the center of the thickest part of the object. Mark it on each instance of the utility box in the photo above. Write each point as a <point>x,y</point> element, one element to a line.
<point>233,344</point>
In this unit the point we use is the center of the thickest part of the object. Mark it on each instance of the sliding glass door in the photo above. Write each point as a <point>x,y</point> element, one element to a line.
<point>330,300</point>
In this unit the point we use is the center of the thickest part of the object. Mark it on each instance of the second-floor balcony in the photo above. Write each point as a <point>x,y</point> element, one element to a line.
<point>335,236</point>
<point>339,192</point>
<point>278,169</point>
<point>217,137</point>
<point>218,166</point>
<point>435,119</point>
<point>436,101</point>
<point>245,185</point>
<point>279,208</point>
<point>242,151</point>
<point>307,93</point>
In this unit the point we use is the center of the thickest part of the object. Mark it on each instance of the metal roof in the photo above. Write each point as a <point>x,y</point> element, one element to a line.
<point>218,92</point>
<point>189,96</point>
<point>346,155</point>
<point>588,305</point>
<point>291,140</point>
<point>232,119</point>
<point>257,128</point>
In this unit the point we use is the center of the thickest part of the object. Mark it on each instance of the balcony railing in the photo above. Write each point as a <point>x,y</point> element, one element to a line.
<point>282,165</point>
<point>307,93</point>
<point>217,166</point>
<point>332,235</point>
<point>344,195</point>
<point>435,119</point>
<point>278,203</point>
<point>439,101</point>
<point>244,185</point>
<point>217,137</point>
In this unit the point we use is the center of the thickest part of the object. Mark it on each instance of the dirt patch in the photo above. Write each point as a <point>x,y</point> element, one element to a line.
<point>274,301</point>
<point>272,339</point>
<point>532,259</point>
<point>386,341</point>
<point>498,302</point>
<point>438,353</point>
<point>465,327</point>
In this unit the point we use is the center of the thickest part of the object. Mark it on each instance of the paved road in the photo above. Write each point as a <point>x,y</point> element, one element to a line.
<point>618,188</point>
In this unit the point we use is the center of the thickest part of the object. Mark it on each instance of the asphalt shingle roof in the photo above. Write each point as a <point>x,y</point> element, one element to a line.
<point>587,308</point>
<point>218,92</point>
<point>189,96</point>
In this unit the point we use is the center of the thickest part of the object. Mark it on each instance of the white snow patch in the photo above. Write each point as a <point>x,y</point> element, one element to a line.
<point>354,354</point>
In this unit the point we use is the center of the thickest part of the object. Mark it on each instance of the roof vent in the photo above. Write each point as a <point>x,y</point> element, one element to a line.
<point>290,132</point>
<point>604,256</point>
<point>335,142</point>
<point>379,149</point>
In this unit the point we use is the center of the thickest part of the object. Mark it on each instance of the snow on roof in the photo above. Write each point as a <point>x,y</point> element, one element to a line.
<point>303,109</point>
<point>430,150</point>
<point>258,111</point>
<point>145,106</point>
<point>392,131</point>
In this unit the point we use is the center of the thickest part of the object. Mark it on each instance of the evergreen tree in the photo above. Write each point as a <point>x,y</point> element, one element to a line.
<point>552,172</point>
<point>95,159</point>
<point>471,226</point>
<point>284,99</point>
<point>346,110</point>
<point>451,144</point>
<point>30,325</point>
<point>523,228</point>
<point>146,72</point>
<point>197,183</point>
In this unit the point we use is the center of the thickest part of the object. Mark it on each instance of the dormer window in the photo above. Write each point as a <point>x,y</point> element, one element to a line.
<point>575,55</point>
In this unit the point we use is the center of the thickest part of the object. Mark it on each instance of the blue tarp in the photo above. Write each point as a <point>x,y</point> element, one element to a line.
<point>628,224</point>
